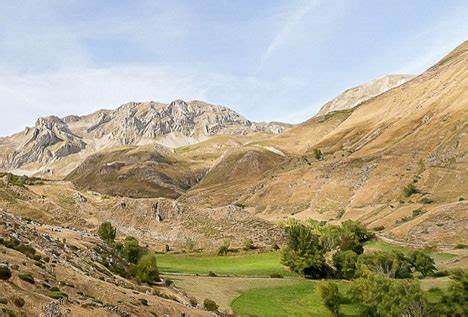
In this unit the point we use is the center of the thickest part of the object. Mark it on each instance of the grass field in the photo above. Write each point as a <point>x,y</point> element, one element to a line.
<point>252,264</point>
<point>301,299</point>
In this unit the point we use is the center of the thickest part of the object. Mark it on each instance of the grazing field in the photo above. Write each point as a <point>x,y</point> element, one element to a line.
<point>251,264</point>
<point>223,290</point>
<point>300,299</point>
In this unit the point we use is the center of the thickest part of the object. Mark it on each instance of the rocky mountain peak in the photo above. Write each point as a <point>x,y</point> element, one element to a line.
<point>352,97</point>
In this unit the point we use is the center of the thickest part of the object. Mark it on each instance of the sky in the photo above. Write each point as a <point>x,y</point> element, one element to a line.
<point>267,59</point>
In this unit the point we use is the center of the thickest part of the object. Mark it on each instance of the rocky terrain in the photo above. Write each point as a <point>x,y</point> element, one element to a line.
<point>352,97</point>
<point>58,271</point>
<point>54,146</point>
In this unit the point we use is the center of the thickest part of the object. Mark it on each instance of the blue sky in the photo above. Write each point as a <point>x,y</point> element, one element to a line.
<point>268,60</point>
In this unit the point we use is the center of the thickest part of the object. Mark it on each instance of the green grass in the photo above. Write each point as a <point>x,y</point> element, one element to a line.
<point>253,264</point>
<point>300,300</point>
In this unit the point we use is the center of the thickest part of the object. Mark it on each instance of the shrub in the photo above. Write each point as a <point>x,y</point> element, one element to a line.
<point>276,275</point>
<point>168,282</point>
<point>27,277</point>
<point>193,301</point>
<point>248,244</point>
<point>106,232</point>
<point>417,212</point>
<point>131,250</point>
<point>422,263</point>
<point>426,200</point>
<point>19,301</point>
<point>318,154</point>
<point>146,269</point>
<point>379,228</point>
<point>345,263</point>
<point>460,246</point>
<point>461,199</point>
<point>224,248</point>
<point>210,305</point>
<point>57,294</point>
<point>3,300</point>
<point>409,190</point>
<point>331,297</point>
<point>5,272</point>
<point>189,244</point>
<point>143,301</point>
<point>212,274</point>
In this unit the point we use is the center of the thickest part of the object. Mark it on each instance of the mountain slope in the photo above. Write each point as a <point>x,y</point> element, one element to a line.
<point>415,134</point>
<point>356,95</point>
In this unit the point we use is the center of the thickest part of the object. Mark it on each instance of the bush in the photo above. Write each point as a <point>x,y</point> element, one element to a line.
<point>409,190</point>
<point>210,305</point>
<point>248,244</point>
<point>276,275</point>
<point>461,246</point>
<point>422,263</point>
<point>106,232</point>
<point>212,274</point>
<point>131,250</point>
<point>57,294</point>
<point>143,301</point>
<point>345,264</point>
<point>146,269</point>
<point>224,248</point>
<point>193,301</point>
<point>19,301</point>
<point>5,272</point>
<point>168,282</point>
<point>27,277</point>
<point>318,154</point>
<point>379,228</point>
<point>331,297</point>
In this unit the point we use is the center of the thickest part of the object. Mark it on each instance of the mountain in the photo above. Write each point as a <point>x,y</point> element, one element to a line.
<point>357,95</point>
<point>355,163</point>
<point>43,148</point>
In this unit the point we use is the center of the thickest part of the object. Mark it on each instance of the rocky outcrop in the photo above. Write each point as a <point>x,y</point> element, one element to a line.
<point>354,96</point>
<point>48,140</point>
<point>136,123</point>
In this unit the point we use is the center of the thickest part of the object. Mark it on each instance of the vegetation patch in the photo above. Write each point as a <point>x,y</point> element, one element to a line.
<point>250,264</point>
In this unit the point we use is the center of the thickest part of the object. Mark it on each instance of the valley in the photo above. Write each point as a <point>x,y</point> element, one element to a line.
<point>242,218</point>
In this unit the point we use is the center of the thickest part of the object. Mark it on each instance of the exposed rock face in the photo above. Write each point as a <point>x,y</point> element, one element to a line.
<point>48,140</point>
<point>176,124</point>
<point>356,95</point>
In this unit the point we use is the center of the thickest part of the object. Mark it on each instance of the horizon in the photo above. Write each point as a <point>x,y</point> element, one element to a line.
<point>268,61</point>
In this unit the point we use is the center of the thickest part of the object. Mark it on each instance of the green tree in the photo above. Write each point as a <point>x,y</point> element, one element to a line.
<point>392,264</point>
<point>107,232</point>
<point>345,263</point>
<point>381,296</point>
<point>146,269</point>
<point>331,297</point>
<point>131,250</point>
<point>454,302</point>
<point>303,252</point>
<point>422,262</point>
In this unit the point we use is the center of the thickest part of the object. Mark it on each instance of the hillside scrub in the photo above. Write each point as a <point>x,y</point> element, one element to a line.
<point>106,232</point>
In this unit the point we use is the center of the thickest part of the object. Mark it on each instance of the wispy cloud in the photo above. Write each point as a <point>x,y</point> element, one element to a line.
<point>292,20</point>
